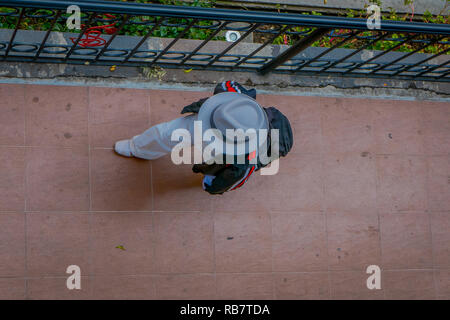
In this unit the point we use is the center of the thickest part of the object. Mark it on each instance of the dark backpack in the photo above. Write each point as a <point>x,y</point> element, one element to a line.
<point>232,176</point>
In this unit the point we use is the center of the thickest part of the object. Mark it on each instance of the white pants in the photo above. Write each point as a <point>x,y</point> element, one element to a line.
<point>156,141</point>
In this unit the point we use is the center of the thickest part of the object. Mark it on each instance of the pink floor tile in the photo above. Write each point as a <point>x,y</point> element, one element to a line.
<point>12,114</point>
<point>56,115</point>
<point>119,183</point>
<point>243,242</point>
<point>409,285</point>
<point>122,243</point>
<point>401,183</point>
<point>298,186</point>
<point>177,187</point>
<point>442,278</point>
<point>117,114</point>
<point>12,179</point>
<point>57,179</point>
<point>244,286</point>
<point>440,226</point>
<point>123,287</point>
<point>350,182</point>
<point>184,242</point>
<point>436,127</point>
<point>304,116</point>
<point>12,289</point>
<point>399,127</point>
<point>166,105</point>
<point>347,125</point>
<point>301,286</point>
<point>56,241</point>
<point>186,287</point>
<point>439,183</point>
<point>299,242</point>
<point>353,241</point>
<point>406,241</point>
<point>352,285</point>
<point>55,288</point>
<point>12,244</point>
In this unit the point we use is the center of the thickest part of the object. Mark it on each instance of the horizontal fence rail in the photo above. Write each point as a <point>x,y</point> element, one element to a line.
<point>149,35</point>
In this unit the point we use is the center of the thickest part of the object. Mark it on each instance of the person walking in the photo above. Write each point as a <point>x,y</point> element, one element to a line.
<point>230,107</point>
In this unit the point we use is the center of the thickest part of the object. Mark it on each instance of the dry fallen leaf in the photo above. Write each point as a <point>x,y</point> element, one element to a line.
<point>120,247</point>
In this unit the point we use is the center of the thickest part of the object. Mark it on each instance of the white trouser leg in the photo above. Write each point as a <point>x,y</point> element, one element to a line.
<point>156,141</point>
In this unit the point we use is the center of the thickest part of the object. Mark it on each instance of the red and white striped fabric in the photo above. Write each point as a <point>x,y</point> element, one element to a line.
<point>230,86</point>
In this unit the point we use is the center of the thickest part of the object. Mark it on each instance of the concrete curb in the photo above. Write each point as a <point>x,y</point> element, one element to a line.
<point>132,77</point>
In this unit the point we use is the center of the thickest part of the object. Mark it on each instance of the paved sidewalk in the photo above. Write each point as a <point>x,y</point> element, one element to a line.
<point>367,183</point>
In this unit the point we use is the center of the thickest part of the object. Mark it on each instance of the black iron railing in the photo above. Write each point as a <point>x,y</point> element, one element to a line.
<point>318,45</point>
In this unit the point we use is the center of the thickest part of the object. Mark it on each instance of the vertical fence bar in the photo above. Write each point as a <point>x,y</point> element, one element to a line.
<point>233,44</point>
<point>294,50</point>
<point>173,42</point>
<point>14,33</point>
<point>58,14</point>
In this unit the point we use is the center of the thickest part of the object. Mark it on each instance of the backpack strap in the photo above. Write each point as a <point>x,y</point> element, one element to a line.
<point>226,86</point>
<point>233,86</point>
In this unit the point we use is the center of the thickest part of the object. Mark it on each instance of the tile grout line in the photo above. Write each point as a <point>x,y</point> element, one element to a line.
<point>49,275</point>
<point>272,256</point>
<point>324,209</point>
<point>377,191</point>
<point>90,275</point>
<point>26,255</point>
<point>149,121</point>
<point>427,195</point>
<point>25,190</point>
<point>419,155</point>
<point>89,147</point>
<point>429,216</point>
<point>274,296</point>
<point>381,253</point>
<point>214,250</point>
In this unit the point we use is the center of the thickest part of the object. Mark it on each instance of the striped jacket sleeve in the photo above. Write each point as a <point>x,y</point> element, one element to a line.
<point>230,178</point>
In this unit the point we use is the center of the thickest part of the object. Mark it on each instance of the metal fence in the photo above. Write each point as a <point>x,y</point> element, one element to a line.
<point>133,34</point>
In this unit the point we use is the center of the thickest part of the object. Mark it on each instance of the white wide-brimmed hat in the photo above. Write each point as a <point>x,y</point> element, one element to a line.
<point>232,110</point>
